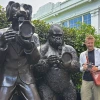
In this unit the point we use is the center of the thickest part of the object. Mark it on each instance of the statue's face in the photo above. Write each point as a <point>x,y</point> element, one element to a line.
<point>56,37</point>
<point>16,10</point>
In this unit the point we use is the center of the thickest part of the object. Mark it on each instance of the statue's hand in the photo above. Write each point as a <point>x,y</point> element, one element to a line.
<point>42,62</point>
<point>66,64</point>
<point>26,44</point>
<point>6,37</point>
<point>74,63</point>
<point>42,66</point>
<point>53,59</point>
<point>71,65</point>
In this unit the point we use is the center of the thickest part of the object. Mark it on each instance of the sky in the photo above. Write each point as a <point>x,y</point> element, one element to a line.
<point>34,3</point>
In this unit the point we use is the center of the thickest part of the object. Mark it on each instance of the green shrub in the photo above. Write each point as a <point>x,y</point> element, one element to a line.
<point>3,19</point>
<point>41,28</point>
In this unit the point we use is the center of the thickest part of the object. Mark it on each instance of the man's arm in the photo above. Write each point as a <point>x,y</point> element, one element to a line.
<point>81,62</point>
<point>83,65</point>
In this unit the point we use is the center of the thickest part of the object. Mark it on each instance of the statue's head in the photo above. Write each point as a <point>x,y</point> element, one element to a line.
<point>18,11</point>
<point>55,36</point>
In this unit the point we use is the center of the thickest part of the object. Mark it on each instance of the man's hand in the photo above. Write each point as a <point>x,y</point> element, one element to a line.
<point>85,66</point>
<point>94,69</point>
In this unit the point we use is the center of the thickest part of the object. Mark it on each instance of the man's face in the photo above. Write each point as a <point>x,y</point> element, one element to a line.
<point>90,44</point>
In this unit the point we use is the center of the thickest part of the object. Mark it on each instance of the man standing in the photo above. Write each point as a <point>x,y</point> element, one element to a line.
<point>89,91</point>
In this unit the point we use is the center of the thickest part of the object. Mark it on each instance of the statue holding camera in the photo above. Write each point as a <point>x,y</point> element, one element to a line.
<point>57,61</point>
<point>17,52</point>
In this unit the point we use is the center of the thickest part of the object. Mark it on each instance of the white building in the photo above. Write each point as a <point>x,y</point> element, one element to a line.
<point>69,12</point>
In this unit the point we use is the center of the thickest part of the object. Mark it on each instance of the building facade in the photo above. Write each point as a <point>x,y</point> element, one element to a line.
<point>70,12</point>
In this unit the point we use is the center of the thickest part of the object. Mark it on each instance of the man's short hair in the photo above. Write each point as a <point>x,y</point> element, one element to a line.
<point>88,37</point>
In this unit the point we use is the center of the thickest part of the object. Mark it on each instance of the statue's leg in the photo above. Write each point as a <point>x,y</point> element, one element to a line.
<point>29,91</point>
<point>46,93</point>
<point>6,92</point>
<point>70,93</point>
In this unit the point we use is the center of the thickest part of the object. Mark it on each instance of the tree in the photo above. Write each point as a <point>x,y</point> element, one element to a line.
<point>41,28</point>
<point>3,19</point>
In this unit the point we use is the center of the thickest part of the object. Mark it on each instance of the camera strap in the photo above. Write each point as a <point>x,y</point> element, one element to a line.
<point>87,58</point>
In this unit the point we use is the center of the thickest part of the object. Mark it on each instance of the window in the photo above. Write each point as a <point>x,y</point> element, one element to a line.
<point>74,22</point>
<point>87,18</point>
<point>65,24</point>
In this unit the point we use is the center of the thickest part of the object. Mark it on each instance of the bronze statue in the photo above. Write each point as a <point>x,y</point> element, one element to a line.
<point>57,61</point>
<point>18,52</point>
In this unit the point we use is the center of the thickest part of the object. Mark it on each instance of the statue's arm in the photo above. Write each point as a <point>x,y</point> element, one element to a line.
<point>42,65</point>
<point>32,55</point>
<point>3,51</point>
<point>74,64</point>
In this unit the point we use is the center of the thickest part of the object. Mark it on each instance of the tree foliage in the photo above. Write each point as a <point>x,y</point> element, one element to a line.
<point>41,28</point>
<point>3,19</point>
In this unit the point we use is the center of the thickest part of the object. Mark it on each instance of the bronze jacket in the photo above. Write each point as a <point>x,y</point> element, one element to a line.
<point>15,62</point>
